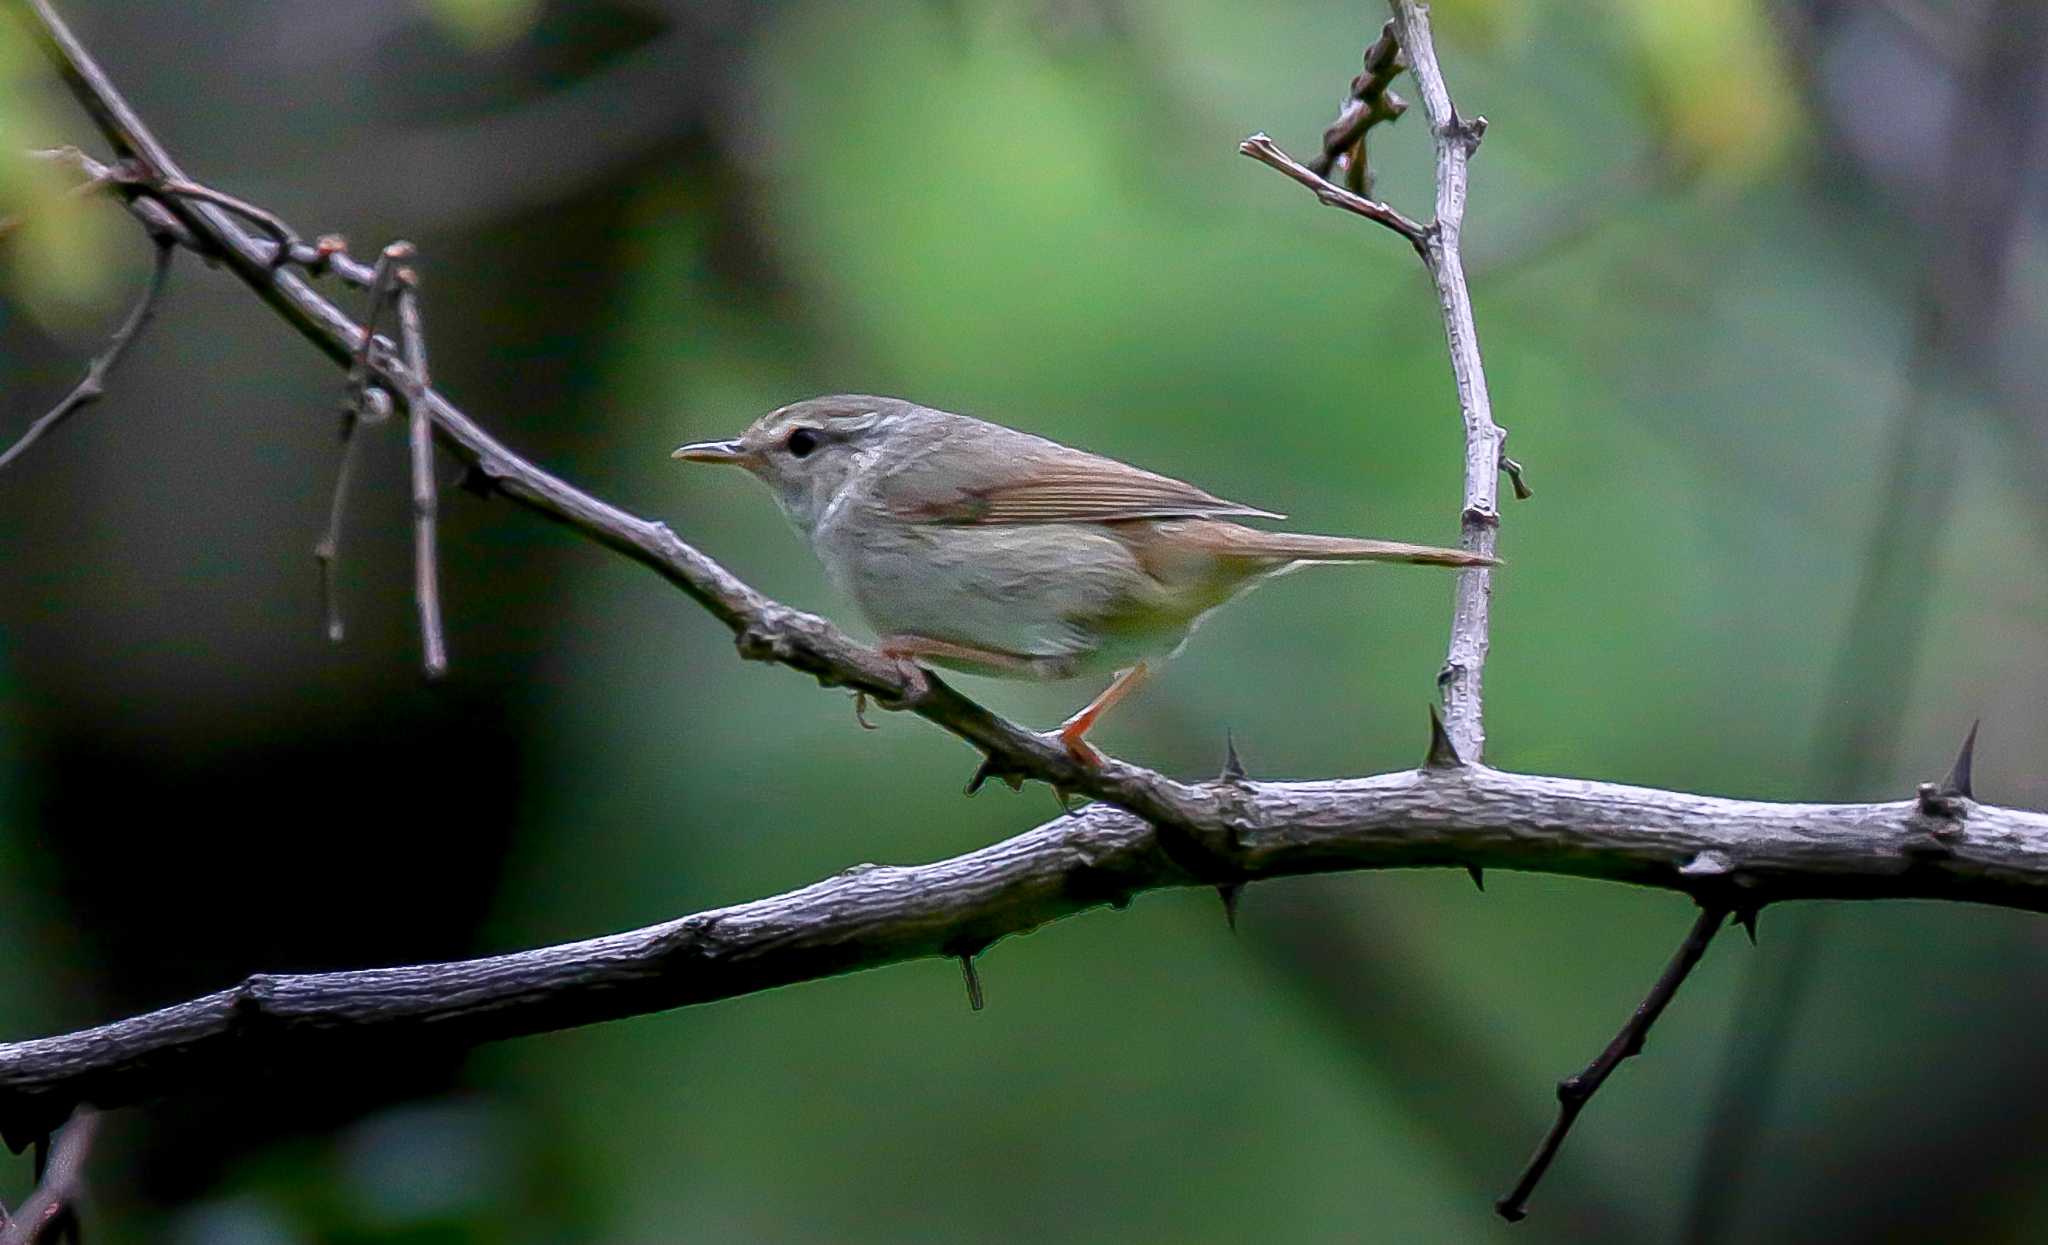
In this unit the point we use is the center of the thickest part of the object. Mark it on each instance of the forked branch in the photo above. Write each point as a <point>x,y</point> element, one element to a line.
<point>1152,831</point>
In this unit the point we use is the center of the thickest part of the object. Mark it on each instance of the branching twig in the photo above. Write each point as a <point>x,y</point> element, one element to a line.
<point>1456,139</point>
<point>1438,244</point>
<point>1575,1091</point>
<point>58,1184</point>
<point>93,385</point>
<point>1152,832</point>
<point>1261,148</point>
<point>1368,103</point>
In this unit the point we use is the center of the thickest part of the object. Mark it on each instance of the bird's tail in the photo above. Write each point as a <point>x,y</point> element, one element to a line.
<point>1250,542</point>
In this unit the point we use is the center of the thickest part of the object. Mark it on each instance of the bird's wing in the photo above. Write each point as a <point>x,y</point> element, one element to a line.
<point>1039,481</point>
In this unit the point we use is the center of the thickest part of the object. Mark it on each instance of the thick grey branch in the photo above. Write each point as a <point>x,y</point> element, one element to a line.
<point>1736,853</point>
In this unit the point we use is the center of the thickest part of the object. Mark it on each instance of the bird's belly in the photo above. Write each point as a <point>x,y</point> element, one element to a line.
<point>1066,598</point>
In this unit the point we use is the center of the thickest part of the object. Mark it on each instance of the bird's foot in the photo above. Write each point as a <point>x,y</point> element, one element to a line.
<point>916,683</point>
<point>1071,737</point>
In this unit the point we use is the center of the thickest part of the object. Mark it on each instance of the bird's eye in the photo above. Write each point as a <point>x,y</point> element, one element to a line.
<point>801,442</point>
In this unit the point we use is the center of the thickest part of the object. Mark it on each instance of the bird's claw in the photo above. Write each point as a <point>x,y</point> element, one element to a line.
<point>1084,753</point>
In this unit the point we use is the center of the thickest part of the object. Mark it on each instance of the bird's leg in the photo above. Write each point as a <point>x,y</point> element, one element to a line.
<point>1072,730</point>
<point>905,650</point>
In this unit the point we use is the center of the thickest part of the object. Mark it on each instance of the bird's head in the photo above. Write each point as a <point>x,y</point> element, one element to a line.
<point>809,451</point>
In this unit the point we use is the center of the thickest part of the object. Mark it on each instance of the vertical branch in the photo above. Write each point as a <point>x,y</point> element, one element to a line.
<point>425,496</point>
<point>1456,139</point>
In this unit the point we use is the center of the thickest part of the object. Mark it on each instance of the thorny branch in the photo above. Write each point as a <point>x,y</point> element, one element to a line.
<point>1151,831</point>
<point>1461,738</point>
<point>1734,853</point>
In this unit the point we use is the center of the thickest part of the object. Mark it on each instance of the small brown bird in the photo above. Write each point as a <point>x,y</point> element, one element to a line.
<point>980,548</point>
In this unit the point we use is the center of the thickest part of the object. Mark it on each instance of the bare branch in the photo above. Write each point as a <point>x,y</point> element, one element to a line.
<point>1574,1092</point>
<point>876,915</point>
<point>1266,152</point>
<point>1456,139</point>
<point>93,386</point>
<point>1152,832</point>
<point>425,492</point>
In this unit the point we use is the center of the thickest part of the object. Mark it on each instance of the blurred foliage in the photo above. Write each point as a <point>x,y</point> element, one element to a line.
<point>1032,212</point>
<point>486,23</point>
<point>1715,81</point>
<point>56,265</point>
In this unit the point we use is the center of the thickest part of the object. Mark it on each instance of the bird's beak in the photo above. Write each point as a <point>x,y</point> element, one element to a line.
<point>728,452</point>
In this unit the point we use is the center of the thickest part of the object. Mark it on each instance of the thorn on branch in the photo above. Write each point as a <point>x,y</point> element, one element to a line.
<point>1443,754</point>
<point>1575,1091</point>
<point>1002,771</point>
<point>1958,782</point>
<point>1478,876</point>
<point>972,976</point>
<point>93,385</point>
<point>1230,893</point>
<point>1746,918</point>
<point>1947,803</point>
<point>1466,132</point>
<point>1233,772</point>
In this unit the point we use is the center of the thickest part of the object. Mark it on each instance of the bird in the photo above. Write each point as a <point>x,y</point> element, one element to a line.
<point>977,547</point>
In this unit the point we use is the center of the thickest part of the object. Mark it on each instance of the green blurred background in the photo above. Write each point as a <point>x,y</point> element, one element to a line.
<point>1759,287</point>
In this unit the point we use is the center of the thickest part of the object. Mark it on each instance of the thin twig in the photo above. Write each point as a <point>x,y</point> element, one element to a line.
<point>1575,1091</point>
<point>59,1184</point>
<point>327,550</point>
<point>425,497</point>
<point>1456,139</point>
<point>281,235</point>
<point>93,386</point>
<point>362,403</point>
<point>1366,104</point>
<point>1261,148</point>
